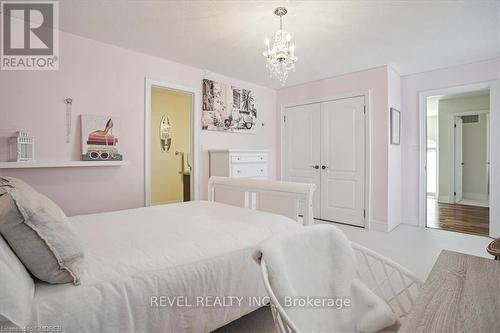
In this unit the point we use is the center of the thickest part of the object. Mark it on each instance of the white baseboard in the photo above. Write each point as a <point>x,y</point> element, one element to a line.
<point>392,227</point>
<point>165,202</point>
<point>379,226</point>
<point>444,199</point>
<point>476,196</point>
<point>410,221</point>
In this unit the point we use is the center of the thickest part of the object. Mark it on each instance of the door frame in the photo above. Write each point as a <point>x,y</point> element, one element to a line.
<point>453,153</point>
<point>366,94</point>
<point>149,84</point>
<point>451,123</point>
<point>492,86</point>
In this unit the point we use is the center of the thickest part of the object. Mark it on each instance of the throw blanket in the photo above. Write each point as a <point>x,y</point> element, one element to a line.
<point>312,272</point>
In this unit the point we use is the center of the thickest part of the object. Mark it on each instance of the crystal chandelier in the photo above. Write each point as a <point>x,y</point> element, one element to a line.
<point>280,58</point>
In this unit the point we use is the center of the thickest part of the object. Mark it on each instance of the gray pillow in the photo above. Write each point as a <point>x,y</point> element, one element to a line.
<point>39,233</point>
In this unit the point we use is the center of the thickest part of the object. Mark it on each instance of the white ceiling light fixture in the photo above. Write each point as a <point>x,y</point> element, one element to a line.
<point>280,57</point>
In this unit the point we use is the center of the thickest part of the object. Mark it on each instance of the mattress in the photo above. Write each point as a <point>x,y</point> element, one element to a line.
<point>171,268</point>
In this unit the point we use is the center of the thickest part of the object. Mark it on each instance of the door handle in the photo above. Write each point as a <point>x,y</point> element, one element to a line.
<point>315,167</point>
<point>324,167</point>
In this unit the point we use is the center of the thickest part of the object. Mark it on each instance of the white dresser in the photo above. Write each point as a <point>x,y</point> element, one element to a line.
<point>239,163</point>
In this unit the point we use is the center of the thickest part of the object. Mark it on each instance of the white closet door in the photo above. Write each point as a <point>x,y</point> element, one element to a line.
<point>343,160</point>
<point>459,160</point>
<point>302,152</point>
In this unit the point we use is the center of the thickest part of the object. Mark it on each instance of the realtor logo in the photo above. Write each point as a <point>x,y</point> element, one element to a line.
<point>30,35</point>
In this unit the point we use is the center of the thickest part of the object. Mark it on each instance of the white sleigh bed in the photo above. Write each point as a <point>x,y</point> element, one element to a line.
<point>138,261</point>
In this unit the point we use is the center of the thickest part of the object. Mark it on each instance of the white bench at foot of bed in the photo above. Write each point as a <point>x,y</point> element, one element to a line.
<point>282,198</point>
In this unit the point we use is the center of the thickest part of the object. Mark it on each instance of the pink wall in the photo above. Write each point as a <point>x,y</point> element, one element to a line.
<point>394,156</point>
<point>104,79</point>
<point>411,86</point>
<point>375,81</point>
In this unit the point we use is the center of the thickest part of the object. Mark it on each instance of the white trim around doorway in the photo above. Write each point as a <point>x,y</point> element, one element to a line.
<point>494,140</point>
<point>195,130</point>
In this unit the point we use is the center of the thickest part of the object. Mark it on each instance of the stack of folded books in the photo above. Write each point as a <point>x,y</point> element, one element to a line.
<point>102,147</point>
<point>102,140</point>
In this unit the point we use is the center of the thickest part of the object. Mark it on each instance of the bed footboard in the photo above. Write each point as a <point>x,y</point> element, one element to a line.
<point>293,200</point>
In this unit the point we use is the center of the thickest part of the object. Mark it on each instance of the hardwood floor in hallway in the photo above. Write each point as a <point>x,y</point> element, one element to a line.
<point>460,218</point>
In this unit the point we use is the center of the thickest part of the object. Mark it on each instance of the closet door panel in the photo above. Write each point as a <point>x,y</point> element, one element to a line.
<point>302,147</point>
<point>343,160</point>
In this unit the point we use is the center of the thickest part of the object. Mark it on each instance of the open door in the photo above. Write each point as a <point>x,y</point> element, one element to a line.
<point>488,153</point>
<point>459,161</point>
<point>170,140</point>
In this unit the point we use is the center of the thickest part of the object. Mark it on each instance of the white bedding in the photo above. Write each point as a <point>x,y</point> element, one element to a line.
<point>189,249</point>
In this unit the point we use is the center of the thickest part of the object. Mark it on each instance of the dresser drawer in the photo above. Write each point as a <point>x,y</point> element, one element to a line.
<point>244,163</point>
<point>249,158</point>
<point>249,170</point>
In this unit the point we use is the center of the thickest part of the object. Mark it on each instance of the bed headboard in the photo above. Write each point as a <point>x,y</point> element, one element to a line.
<point>282,198</point>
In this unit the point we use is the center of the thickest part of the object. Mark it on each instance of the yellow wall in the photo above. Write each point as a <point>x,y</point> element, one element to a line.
<point>166,182</point>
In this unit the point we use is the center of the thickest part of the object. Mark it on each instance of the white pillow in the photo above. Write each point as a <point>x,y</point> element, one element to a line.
<point>16,288</point>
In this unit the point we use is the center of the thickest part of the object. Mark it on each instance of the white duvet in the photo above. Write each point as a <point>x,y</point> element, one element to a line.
<point>137,261</point>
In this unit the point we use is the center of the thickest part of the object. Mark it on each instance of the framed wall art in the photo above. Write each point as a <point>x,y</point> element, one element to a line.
<point>100,138</point>
<point>395,126</point>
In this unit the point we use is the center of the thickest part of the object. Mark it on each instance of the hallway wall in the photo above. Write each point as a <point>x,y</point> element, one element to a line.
<point>474,178</point>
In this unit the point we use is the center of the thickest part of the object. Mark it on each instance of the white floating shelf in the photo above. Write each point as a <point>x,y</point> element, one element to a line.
<point>59,164</point>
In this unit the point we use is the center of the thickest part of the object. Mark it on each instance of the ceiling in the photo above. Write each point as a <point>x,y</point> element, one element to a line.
<point>332,37</point>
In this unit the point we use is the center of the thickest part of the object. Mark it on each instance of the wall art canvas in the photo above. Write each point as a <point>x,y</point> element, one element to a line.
<point>100,138</point>
<point>228,112</point>
<point>215,110</point>
<point>244,113</point>
<point>395,126</point>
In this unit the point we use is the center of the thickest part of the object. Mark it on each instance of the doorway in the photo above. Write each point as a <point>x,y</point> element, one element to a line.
<point>458,161</point>
<point>169,139</point>
<point>324,144</point>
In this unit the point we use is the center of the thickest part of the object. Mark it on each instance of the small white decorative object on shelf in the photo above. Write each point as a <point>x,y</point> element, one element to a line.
<point>22,148</point>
